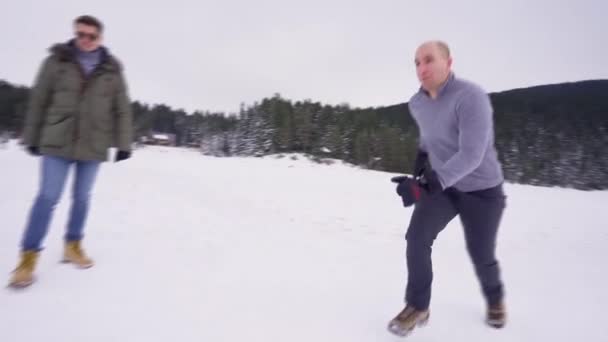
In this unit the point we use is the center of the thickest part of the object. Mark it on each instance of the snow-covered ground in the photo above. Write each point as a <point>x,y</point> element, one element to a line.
<point>193,248</point>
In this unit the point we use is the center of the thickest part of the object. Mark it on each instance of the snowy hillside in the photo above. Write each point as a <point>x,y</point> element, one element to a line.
<point>193,248</point>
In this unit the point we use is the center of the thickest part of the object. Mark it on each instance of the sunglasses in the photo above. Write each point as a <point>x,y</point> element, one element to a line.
<point>89,36</point>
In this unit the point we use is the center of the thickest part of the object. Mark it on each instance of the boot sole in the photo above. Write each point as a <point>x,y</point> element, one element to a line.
<point>495,324</point>
<point>20,285</point>
<point>80,266</point>
<point>394,328</point>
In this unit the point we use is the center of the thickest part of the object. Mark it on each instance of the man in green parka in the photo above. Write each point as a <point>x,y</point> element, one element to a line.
<point>78,108</point>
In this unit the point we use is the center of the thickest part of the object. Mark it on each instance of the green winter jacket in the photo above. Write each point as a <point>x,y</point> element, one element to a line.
<point>77,117</point>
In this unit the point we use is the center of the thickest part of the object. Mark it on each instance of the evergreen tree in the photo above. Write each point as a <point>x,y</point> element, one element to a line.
<point>546,135</point>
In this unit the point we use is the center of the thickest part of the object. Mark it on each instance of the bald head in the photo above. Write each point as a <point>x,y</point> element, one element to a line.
<point>441,46</point>
<point>433,64</point>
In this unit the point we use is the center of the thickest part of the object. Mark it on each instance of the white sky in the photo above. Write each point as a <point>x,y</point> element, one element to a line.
<point>215,54</point>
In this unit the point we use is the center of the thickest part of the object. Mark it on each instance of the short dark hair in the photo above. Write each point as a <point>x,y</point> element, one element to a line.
<point>89,21</point>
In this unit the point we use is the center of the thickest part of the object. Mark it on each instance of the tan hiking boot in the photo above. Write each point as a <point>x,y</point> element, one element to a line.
<point>407,320</point>
<point>497,315</point>
<point>23,276</point>
<point>74,254</point>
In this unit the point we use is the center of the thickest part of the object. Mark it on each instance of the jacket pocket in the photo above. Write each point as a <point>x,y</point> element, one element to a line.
<point>100,141</point>
<point>56,131</point>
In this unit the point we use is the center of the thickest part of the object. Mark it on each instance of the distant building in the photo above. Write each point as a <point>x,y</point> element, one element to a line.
<point>162,139</point>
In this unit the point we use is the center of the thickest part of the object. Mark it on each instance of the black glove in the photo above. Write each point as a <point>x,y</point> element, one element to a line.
<point>122,155</point>
<point>408,189</point>
<point>34,150</point>
<point>430,182</point>
<point>399,179</point>
<point>420,165</point>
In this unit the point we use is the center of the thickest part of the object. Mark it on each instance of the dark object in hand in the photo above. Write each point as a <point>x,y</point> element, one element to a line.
<point>430,182</point>
<point>122,155</point>
<point>34,150</point>
<point>408,189</point>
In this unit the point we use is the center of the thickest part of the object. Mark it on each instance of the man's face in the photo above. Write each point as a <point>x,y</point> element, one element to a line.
<point>88,38</point>
<point>433,66</point>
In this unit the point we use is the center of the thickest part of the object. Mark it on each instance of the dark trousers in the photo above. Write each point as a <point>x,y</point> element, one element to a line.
<point>480,213</point>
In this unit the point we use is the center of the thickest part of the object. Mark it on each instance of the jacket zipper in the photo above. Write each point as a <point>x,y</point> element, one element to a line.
<point>84,82</point>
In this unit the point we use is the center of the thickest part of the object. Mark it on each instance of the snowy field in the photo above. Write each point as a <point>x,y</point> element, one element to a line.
<point>193,248</point>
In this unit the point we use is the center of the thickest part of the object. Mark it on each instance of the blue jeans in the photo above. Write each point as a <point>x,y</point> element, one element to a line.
<point>54,173</point>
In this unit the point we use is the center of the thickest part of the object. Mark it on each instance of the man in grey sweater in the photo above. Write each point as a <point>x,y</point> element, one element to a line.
<point>458,166</point>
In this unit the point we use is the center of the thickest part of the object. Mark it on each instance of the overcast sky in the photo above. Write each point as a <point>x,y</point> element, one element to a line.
<point>213,55</point>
